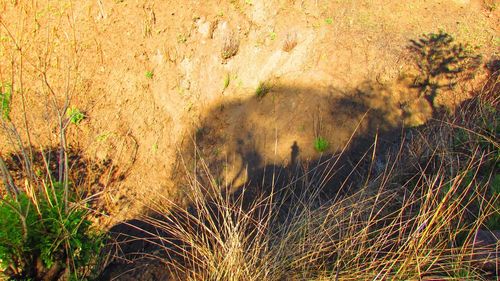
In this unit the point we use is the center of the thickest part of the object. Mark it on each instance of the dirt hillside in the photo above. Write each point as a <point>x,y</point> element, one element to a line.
<point>240,75</point>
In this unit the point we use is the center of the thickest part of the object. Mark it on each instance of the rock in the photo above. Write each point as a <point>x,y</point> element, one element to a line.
<point>485,249</point>
<point>204,28</point>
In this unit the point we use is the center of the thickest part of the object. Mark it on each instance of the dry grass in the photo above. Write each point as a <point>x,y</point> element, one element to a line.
<point>417,218</point>
<point>290,42</point>
<point>230,46</point>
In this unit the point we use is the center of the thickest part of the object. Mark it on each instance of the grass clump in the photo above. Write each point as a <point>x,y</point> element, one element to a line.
<point>44,237</point>
<point>227,80</point>
<point>5,99</point>
<point>262,89</point>
<point>149,74</point>
<point>290,42</point>
<point>230,46</point>
<point>75,115</point>
<point>321,144</point>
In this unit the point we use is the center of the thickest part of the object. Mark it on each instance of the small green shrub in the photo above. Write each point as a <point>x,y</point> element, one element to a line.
<point>5,99</point>
<point>75,115</point>
<point>181,38</point>
<point>493,221</point>
<point>40,233</point>
<point>227,80</point>
<point>273,35</point>
<point>321,144</point>
<point>149,74</point>
<point>262,90</point>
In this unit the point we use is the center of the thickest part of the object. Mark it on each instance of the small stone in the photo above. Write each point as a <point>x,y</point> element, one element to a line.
<point>485,250</point>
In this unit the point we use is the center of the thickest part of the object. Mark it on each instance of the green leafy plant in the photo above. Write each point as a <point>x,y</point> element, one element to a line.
<point>493,222</point>
<point>181,38</point>
<point>440,62</point>
<point>5,100</point>
<point>321,144</point>
<point>272,35</point>
<point>42,235</point>
<point>262,89</point>
<point>149,74</point>
<point>75,115</point>
<point>227,80</point>
<point>329,21</point>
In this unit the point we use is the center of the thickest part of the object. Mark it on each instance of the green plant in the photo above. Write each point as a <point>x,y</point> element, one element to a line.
<point>440,62</point>
<point>321,144</point>
<point>329,21</point>
<point>149,74</point>
<point>5,100</point>
<point>493,221</point>
<point>42,235</point>
<point>181,38</point>
<point>227,80</point>
<point>490,5</point>
<point>262,89</point>
<point>272,35</point>
<point>75,115</point>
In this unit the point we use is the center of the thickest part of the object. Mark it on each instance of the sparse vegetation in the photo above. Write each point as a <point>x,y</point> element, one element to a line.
<point>290,42</point>
<point>321,144</point>
<point>181,38</point>
<point>43,236</point>
<point>419,217</point>
<point>491,5</point>
<point>75,115</point>
<point>5,100</point>
<point>227,80</point>
<point>149,74</point>
<point>263,89</point>
<point>272,35</point>
<point>230,46</point>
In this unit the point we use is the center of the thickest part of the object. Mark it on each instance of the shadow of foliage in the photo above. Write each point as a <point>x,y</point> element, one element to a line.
<point>441,63</point>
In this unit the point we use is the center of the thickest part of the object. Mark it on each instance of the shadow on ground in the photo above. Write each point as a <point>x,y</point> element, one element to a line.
<point>258,144</point>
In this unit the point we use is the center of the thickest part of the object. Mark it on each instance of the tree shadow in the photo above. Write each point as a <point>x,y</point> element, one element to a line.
<point>441,63</point>
<point>260,145</point>
<point>84,174</point>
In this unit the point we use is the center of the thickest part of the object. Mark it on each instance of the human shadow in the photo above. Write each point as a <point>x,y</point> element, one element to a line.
<point>258,146</point>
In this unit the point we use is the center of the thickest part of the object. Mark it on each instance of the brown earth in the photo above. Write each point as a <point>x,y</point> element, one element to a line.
<point>326,63</point>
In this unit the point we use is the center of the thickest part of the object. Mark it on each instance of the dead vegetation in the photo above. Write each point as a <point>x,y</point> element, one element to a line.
<point>230,45</point>
<point>290,42</point>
